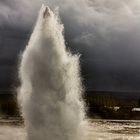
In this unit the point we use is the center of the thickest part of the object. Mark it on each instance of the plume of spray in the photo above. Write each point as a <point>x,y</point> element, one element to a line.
<point>50,92</point>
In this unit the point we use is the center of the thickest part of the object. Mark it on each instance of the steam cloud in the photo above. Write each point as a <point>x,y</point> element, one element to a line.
<point>50,93</point>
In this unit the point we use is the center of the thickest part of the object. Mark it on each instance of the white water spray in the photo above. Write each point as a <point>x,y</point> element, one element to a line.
<point>50,93</point>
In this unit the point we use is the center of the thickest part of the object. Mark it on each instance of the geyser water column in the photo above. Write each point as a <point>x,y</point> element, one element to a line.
<point>50,92</point>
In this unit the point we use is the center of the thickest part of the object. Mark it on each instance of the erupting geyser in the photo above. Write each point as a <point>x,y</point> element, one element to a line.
<point>50,92</point>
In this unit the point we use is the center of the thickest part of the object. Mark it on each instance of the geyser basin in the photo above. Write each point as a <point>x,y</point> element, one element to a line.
<point>50,92</point>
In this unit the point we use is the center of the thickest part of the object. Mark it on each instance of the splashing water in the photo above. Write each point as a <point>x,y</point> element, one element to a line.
<point>50,92</point>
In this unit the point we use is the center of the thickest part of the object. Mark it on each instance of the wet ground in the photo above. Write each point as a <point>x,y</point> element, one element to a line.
<point>13,129</point>
<point>114,130</point>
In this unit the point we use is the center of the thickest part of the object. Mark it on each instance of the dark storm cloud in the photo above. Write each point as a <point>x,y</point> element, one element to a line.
<point>19,13</point>
<point>106,32</point>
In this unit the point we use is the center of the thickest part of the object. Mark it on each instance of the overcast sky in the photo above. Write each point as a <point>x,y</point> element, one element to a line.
<point>105,32</point>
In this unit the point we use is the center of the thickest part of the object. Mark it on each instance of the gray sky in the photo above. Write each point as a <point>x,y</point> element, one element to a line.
<point>105,32</point>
